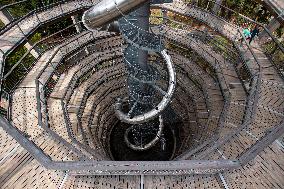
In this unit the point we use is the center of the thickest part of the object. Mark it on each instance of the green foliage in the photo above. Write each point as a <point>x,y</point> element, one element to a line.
<point>184,51</point>
<point>20,9</point>
<point>223,46</point>
<point>20,70</point>
<point>25,7</point>
<point>41,46</point>
<point>1,24</point>
<point>279,32</point>
<point>14,57</point>
<point>53,28</point>
<point>36,37</point>
<point>249,8</point>
<point>275,54</point>
<point>154,20</point>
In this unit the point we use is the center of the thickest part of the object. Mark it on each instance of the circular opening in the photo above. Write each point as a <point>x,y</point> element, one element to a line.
<point>161,151</point>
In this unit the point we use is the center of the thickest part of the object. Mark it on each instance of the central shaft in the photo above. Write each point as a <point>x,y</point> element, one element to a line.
<point>138,90</point>
<point>144,113</point>
<point>138,59</point>
<point>142,14</point>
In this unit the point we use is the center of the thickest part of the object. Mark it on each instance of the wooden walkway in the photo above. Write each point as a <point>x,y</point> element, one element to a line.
<point>17,34</point>
<point>18,169</point>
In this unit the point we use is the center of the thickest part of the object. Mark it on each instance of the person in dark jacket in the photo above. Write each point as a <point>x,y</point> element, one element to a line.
<point>254,32</point>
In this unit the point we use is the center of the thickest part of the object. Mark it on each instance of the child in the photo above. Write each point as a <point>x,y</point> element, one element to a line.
<point>246,33</point>
<point>254,32</point>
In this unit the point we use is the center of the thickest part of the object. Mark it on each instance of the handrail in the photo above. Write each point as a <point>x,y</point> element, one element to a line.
<point>258,67</point>
<point>240,34</point>
<point>244,17</point>
<point>57,50</point>
<point>21,61</point>
<point>132,167</point>
<point>226,94</point>
<point>5,54</point>
<point>15,22</point>
<point>66,95</point>
<point>63,104</point>
<point>277,43</point>
<point>209,54</point>
<point>35,45</point>
<point>265,141</point>
<point>140,167</point>
<point>180,23</point>
<point>66,100</point>
<point>39,106</point>
<point>249,110</point>
<point>250,20</point>
<point>119,167</point>
<point>92,87</point>
<point>12,4</point>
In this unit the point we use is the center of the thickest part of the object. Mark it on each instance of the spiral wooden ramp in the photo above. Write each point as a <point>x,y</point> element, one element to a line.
<point>57,101</point>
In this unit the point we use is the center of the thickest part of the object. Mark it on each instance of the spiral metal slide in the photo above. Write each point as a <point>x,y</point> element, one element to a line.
<point>139,39</point>
<point>109,10</point>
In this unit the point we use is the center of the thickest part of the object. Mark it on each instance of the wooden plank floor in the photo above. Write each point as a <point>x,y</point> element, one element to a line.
<point>18,169</point>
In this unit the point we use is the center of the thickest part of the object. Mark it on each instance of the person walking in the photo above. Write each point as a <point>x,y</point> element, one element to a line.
<point>254,32</point>
<point>246,33</point>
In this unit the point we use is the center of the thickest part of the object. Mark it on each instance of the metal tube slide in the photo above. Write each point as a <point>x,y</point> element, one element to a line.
<point>106,11</point>
<point>151,143</point>
<point>160,107</point>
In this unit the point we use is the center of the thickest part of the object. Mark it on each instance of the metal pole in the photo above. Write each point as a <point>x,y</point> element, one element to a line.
<point>143,14</point>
